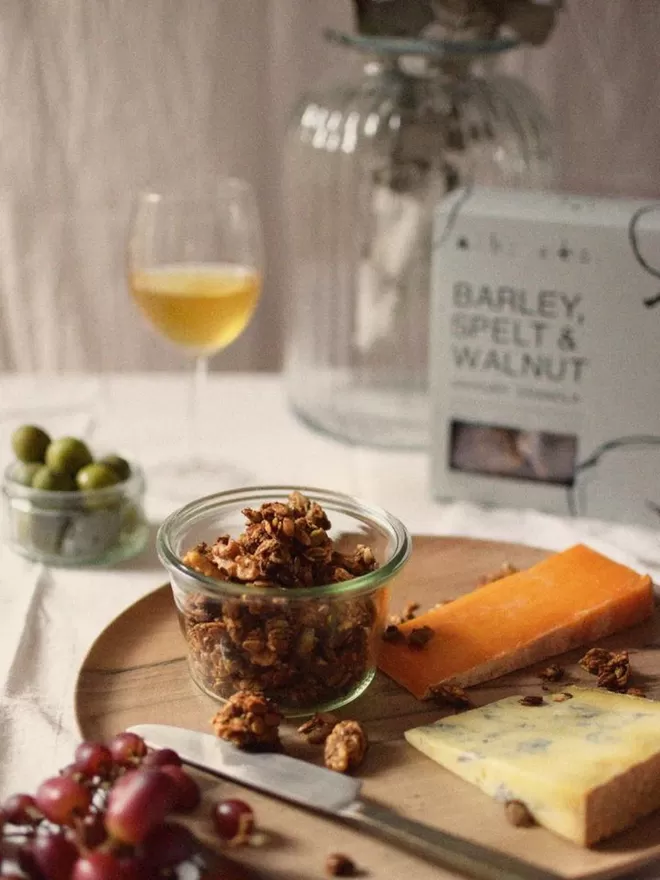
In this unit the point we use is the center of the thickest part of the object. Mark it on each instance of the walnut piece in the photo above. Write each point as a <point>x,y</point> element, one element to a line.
<point>408,613</point>
<point>611,667</point>
<point>531,700</point>
<point>318,728</point>
<point>449,695</point>
<point>554,672</point>
<point>345,747</point>
<point>339,865</point>
<point>420,636</point>
<point>199,608</point>
<point>518,814</point>
<point>249,721</point>
<point>561,698</point>
<point>392,633</point>
<point>636,692</point>
<point>503,571</point>
<point>197,559</point>
<point>594,660</point>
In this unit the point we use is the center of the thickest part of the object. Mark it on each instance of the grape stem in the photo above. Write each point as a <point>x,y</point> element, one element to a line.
<point>78,825</point>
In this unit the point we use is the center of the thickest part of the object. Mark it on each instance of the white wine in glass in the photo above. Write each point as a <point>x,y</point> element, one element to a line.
<point>195,266</point>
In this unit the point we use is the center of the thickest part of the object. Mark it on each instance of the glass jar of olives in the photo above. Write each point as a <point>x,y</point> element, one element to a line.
<point>63,507</point>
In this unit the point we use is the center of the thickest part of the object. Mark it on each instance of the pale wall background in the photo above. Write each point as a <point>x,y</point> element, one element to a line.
<point>99,98</point>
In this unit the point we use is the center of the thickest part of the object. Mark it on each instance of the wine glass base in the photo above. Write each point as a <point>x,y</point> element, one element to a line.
<point>184,480</point>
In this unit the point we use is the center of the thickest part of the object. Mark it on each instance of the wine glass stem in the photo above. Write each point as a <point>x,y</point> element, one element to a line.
<point>195,421</point>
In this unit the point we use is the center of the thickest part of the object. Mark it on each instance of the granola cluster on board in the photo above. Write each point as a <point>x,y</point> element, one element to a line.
<point>249,721</point>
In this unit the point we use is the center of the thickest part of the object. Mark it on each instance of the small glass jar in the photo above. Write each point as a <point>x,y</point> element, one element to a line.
<point>310,649</point>
<point>94,527</point>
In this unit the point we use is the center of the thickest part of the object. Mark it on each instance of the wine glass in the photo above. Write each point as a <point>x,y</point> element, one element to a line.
<point>195,265</point>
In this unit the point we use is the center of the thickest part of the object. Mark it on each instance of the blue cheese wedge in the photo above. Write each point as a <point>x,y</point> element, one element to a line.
<point>585,767</point>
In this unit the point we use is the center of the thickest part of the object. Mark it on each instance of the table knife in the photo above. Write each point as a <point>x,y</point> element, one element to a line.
<point>336,795</point>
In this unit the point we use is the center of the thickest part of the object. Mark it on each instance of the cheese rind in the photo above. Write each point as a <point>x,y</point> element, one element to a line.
<point>568,600</point>
<point>586,767</point>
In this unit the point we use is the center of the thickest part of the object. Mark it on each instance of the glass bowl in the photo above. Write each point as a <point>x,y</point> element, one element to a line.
<point>94,527</point>
<point>310,649</point>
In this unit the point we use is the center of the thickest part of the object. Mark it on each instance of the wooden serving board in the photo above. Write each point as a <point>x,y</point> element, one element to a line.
<point>136,673</point>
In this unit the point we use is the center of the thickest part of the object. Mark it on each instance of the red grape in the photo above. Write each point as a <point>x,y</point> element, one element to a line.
<point>226,870</point>
<point>167,845</point>
<point>54,855</point>
<point>162,758</point>
<point>233,819</point>
<point>21,809</point>
<point>73,772</point>
<point>127,748</point>
<point>187,795</point>
<point>62,799</point>
<point>135,868</point>
<point>93,759</point>
<point>106,866</point>
<point>92,831</point>
<point>137,803</point>
<point>27,862</point>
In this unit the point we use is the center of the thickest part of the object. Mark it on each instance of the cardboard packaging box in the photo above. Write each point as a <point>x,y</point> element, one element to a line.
<point>545,341</point>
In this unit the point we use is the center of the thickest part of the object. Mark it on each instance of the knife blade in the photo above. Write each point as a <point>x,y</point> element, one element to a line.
<point>339,796</point>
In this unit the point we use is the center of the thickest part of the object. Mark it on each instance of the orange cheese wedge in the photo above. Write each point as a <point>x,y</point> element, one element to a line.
<point>570,599</point>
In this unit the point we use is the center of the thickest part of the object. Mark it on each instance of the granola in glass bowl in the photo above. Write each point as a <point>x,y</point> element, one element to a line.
<point>275,599</point>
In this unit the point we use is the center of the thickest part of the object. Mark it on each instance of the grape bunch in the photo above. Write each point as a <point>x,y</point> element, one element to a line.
<point>108,816</point>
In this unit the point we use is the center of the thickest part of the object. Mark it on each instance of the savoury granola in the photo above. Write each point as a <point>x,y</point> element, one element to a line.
<point>346,746</point>
<point>449,695</point>
<point>503,571</point>
<point>611,667</point>
<point>554,672</point>
<point>392,633</point>
<point>409,612</point>
<point>420,636</point>
<point>318,728</point>
<point>299,652</point>
<point>249,721</point>
<point>594,659</point>
<point>518,814</point>
<point>339,865</point>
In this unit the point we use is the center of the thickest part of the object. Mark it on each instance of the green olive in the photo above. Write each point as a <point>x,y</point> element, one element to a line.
<point>23,472</point>
<point>118,464</point>
<point>67,455</point>
<point>29,443</point>
<point>52,481</point>
<point>96,476</point>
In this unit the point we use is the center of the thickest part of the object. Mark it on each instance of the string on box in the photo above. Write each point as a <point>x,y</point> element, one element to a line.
<point>633,236</point>
<point>635,441</point>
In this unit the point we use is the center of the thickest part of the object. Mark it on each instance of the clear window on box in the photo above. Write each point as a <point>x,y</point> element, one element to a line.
<point>517,453</point>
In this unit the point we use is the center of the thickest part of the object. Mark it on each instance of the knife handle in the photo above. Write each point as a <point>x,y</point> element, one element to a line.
<point>457,853</point>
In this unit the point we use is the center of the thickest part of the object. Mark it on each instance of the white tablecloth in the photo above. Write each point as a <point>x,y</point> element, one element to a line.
<point>49,618</point>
